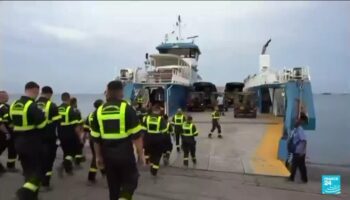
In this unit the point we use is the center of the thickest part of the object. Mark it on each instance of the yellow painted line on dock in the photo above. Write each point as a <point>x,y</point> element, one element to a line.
<point>265,160</point>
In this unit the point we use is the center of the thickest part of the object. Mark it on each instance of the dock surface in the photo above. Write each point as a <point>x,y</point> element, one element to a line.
<point>242,165</point>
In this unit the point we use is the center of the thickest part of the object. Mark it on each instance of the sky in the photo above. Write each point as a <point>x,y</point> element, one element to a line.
<point>80,46</point>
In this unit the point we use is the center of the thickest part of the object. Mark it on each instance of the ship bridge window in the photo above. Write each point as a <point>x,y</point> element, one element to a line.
<point>185,53</point>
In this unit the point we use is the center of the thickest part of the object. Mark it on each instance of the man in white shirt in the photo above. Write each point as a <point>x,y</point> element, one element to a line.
<point>220,101</point>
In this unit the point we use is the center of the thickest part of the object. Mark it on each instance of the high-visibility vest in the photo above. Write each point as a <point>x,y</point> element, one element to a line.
<point>153,124</point>
<point>19,110</point>
<point>111,121</point>
<point>45,107</point>
<point>187,130</point>
<point>64,112</point>
<point>215,115</point>
<point>179,119</point>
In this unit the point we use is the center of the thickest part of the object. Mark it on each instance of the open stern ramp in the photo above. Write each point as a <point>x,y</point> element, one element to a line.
<point>249,146</point>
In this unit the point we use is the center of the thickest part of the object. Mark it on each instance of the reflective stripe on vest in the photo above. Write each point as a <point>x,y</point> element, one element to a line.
<point>64,112</point>
<point>187,129</point>
<point>112,113</point>
<point>215,115</point>
<point>18,109</point>
<point>46,109</point>
<point>153,121</point>
<point>179,119</point>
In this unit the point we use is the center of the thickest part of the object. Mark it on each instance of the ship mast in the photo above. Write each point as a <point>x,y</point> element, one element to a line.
<point>178,24</point>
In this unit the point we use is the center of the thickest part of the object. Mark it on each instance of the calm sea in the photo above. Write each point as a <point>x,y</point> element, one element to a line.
<point>329,144</point>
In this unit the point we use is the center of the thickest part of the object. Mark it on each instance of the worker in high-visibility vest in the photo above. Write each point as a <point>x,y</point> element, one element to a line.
<point>28,124</point>
<point>215,121</point>
<point>115,127</point>
<point>178,120</point>
<point>167,142</point>
<point>188,140</point>
<point>156,129</point>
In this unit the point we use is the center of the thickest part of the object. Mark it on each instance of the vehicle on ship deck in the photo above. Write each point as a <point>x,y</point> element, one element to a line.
<point>245,105</point>
<point>231,89</point>
<point>196,101</point>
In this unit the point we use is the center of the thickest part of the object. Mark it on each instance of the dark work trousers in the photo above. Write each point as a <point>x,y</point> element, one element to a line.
<point>78,153</point>
<point>178,132</point>
<point>11,152</point>
<point>189,147</point>
<point>145,146</point>
<point>168,144</point>
<point>121,171</point>
<point>30,150</point>
<point>156,149</point>
<point>93,167</point>
<point>50,148</point>
<point>68,137</point>
<point>3,145</point>
<point>215,125</point>
<point>298,161</point>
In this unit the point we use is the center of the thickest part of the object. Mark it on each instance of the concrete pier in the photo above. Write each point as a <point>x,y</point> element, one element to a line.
<point>243,166</point>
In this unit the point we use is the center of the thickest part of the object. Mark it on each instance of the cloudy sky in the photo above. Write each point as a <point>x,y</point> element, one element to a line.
<point>80,46</point>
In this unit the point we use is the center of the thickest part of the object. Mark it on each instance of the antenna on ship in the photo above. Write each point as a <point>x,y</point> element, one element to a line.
<point>178,24</point>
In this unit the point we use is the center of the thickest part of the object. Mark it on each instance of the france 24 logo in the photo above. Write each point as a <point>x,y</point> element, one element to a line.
<point>331,184</point>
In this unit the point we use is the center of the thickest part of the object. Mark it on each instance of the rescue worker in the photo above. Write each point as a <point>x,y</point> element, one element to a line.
<point>28,124</point>
<point>10,137</point>
<point>87,127</point>
<point>68,133</point>
<point>178,121</point>
<point>167,142</point>
<point>141,112</point>
<point>215,123</point>
<point>78,154</point>
<point>156,128</point>
<point>188,140</point>
<point>114,128</point>
<point>139,101</point>
<point>49,138</point>
<point>4,129</point>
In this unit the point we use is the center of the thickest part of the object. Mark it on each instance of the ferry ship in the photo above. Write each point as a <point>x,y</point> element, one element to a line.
<point>286,93</point>
<point>168,75</point>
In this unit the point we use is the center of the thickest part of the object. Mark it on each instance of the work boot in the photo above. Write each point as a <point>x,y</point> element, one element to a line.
<point>2,169</point>
<point>147,161</point>
<point>103,173</point>
<point>209,135</point>
<point>91,182</point>
<point>25,194</point>
<point>46,181</point>
<point>45,188</point>
<point>154,171</point>
<point>194,160</point>
<point>186,163</point>
<point>92,176</point>
<point>219,136</point>
<point>165,160</point>
<point>11,167</point>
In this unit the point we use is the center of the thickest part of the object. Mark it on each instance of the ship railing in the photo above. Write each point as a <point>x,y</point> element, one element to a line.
<point>296,73</point>
<point>160,77</point>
